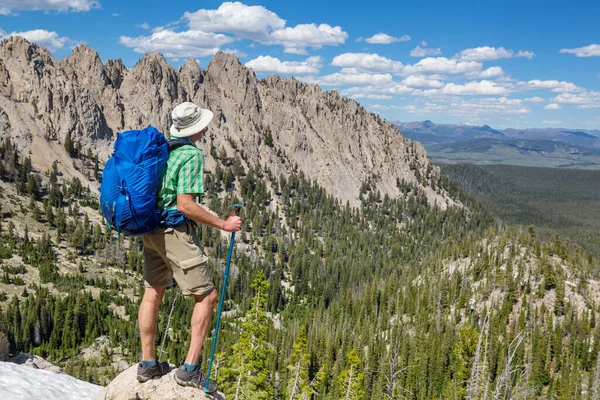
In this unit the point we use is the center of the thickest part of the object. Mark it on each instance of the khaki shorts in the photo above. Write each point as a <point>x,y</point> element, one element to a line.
<point>176,253</point>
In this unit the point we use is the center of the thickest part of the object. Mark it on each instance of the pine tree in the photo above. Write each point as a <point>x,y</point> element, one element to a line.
<point>298,386</point>
<point>351,380</point>
<point>248,370</point>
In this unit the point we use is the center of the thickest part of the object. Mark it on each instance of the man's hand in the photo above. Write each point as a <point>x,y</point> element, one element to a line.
<point>188,207</point>
<point>233,224</point>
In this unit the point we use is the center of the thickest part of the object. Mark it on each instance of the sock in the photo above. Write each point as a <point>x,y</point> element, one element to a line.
<point>149,363</point>
<point>190,367</point>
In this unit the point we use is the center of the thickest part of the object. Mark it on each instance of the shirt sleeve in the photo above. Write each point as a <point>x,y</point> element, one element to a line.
<point>190,178</point>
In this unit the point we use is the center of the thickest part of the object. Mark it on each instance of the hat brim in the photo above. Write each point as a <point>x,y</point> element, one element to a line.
<point>202,123</point>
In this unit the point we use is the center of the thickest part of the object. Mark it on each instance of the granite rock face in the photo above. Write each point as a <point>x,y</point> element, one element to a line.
<point>126,387</point>
<point>280,124</point>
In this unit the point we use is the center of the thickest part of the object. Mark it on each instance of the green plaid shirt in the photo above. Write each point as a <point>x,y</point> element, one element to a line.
<point>183,175</point>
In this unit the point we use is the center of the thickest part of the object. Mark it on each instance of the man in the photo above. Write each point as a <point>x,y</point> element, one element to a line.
<point>175,252</point>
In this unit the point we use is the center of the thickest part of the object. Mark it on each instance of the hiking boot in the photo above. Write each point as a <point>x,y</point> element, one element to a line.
<point>145,373</point>
<point>196,379</point>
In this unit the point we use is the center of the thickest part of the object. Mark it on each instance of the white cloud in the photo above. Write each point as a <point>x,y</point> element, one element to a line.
<point>420,81</point>
<point>471,108</point>
<point>343,79</point>
<point>487,53</point>
<point>371,96</point>
<point>553,85</point>
<point>7,7</point>
<point>483,87</point>
<point>593,50</point>
<point>367,62</point>
<point>41,37</point>
<point>535,99</point>
<point>143,26</point>
<point>270,64</point>
<point>551,122</point>
<point>382,38</point>
<point>583,100</point>
<point>116,15</point>
<point>296,39</point>
<point>425,51</point>
<point>264,26</point>
<point>250,22</point>
<point>441,65</point>
<point>178,44</point>
<point>553,106</point>
<point>491,72</point>
<point>386,89</point>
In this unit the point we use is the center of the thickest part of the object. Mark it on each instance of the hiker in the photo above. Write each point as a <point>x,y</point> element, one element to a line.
<point>173,251</point>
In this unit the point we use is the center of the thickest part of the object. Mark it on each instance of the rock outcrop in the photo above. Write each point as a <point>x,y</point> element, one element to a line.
<point>4,345</point>
<point>126,387</point>
<point>280,124</point>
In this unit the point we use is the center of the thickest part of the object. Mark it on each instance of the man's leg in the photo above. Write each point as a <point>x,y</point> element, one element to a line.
<point>147,319</point>
<point>203,309</point>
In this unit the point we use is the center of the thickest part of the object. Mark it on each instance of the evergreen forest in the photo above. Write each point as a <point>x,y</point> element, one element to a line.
<point>391,299</point>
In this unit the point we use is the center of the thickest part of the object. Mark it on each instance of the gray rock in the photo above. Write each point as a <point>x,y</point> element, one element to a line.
<point>332,139</point>
<point>126,387</point>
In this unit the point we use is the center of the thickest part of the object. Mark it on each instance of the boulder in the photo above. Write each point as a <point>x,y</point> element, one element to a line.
<point>126,387</point>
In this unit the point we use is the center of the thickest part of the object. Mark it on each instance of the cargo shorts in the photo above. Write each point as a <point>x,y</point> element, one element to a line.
<point>176,253</point>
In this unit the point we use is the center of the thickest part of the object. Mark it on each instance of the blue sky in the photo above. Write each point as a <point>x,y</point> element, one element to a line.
<point>506,64</point>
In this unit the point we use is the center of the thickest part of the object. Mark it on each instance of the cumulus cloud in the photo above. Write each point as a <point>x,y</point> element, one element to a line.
<point>264,26</point>
<point>420,81</point>
<point>178,44</point>
<point>145,26</point>
<point>487,53</point>
<point>441,65</point>
<point>249,22</point>
<point>386,89</point>
<point>367,62</point>
<point>8,7</point>
<point>483,87</point>
<point>425,51</point>
<point>344,79</point>
<point>583,100</point>
<point>491,72</point>
<point>593,50</point>
<point>270,64</point>
<point>296,39</point>
<point>535,99</point>
<point>41,37</point>
<point>382,38</point>
<point>371,96</point>
<point>553,106</point>
<point>552,85</point>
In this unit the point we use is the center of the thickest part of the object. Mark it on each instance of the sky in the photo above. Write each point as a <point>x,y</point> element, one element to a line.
<point>516,64</point>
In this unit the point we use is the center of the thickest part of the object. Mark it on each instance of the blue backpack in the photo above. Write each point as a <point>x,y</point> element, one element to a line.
<point>130,181</point>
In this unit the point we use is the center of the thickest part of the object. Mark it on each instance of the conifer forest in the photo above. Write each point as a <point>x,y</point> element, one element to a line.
<point>391,299</point>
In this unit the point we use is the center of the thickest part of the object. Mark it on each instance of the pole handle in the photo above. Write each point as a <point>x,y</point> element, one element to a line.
<point>236,210</point>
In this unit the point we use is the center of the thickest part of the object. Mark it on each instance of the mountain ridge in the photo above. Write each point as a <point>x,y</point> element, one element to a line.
<point>282,123</point>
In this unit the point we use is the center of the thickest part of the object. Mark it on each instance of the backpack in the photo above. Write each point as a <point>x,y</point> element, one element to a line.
<point>130,181</point>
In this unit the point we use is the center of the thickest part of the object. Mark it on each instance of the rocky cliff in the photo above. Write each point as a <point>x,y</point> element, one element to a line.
<point>280,124</point>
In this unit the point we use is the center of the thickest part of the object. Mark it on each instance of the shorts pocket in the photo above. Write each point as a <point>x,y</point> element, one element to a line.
<point>193,262</point>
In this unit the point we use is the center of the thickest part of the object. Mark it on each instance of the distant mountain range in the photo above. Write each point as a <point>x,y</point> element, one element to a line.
<point>544,147</point>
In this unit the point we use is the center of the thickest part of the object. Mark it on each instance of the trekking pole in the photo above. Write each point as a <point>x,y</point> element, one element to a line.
<point>236,211</point>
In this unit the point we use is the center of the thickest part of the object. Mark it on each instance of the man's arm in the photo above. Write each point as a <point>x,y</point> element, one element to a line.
<point>188,207</point>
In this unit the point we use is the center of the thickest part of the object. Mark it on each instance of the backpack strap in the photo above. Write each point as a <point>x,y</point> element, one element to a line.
<point>174,218</point>
<point>177,143</point>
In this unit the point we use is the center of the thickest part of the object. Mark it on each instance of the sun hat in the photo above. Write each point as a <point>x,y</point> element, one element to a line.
<point>189,119</point>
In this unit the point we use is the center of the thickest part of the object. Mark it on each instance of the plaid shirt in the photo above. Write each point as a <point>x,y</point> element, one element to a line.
<point>183,175</point>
